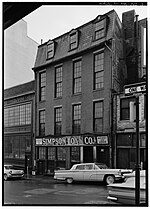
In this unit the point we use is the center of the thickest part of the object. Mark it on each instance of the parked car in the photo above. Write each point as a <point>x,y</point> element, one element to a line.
<point>10,172</point>
<point>90,172</point>
<point>125,193</point>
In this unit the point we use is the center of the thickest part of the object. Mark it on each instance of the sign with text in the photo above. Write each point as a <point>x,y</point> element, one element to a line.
<point>72,141</point>
<point>140,88</point>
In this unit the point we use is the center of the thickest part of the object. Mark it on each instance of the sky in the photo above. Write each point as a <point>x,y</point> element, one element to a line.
<point>51,21</point>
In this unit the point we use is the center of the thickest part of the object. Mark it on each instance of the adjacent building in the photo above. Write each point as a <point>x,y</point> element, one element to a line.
<point>75,77</point>
<point>19,123</point>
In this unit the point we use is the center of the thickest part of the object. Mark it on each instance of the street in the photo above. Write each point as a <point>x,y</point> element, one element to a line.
<point>46,191</point>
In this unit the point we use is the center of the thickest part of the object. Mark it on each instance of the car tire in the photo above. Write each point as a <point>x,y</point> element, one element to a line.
<point>5,177</point>
<point>69,180</point>
<point>109,179</point>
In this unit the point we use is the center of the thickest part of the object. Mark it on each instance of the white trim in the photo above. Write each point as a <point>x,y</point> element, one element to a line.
<point>98,100</point>
<point>100,50</point>
<point>58,65</point>
<point>76,103</point>
<point>57,106</point>
<point>76,59</point>
<point>41,109</point>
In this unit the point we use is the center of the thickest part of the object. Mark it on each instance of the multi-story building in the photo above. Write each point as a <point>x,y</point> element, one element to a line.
<point>75,76</point>
<point>19,125</point>
<point>125,138</point>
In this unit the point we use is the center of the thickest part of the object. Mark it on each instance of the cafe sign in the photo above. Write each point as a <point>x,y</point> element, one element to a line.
<point>136,88</point>
<point>72,141</point>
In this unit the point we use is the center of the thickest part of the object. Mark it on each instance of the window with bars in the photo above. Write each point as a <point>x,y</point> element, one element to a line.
<point>100,29</point>
<point>42,86</point>
<point>99,71</point>
<point>76,127</point>
<point>42,122</point>
<point>77,77</point>
<point>58,120</point>
<point>125,108</point>
<point>17,115</point>
<point>58,82</point>
<point>98,117</point>
<point>50,49</point>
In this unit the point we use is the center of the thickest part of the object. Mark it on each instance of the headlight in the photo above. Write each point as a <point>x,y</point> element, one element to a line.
<point>10,172</point>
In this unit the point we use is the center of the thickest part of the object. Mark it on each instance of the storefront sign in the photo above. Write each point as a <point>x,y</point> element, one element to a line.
<point>135,89</point>
<point>72,141</point>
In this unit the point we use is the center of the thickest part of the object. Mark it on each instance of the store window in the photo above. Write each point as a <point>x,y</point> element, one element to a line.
<point>58,120</point>
<point>61,153</point>
<point>42,86</point>
<point>98,71</point>
<point>76,119</point>
<point>98,116</point>
<point>42,123</point>
<point>77,77</point>
<point>58,82</point>
<point>51,153</point>
<point>125,108</point>
<point>75,154</point>
<point>42,153</point>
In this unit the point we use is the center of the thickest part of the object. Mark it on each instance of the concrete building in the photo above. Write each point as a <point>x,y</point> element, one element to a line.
<point>124,128</point>
<point>19,55</point>
<point>75,77</point>
<point>19,123</point>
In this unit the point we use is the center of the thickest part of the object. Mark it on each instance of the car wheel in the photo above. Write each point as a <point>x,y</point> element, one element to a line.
<point>69,180</point>
<point>109,179</point>
<point>5,177</point>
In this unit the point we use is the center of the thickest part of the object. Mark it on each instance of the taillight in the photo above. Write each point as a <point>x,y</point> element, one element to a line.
<point>119,172</point>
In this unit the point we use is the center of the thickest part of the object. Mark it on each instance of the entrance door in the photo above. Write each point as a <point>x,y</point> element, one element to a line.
<point>123,158</point>
<point>102,155</point>
<point>88,154</point>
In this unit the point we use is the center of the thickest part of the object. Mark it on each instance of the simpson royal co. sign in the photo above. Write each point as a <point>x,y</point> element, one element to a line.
<point>72,141</point>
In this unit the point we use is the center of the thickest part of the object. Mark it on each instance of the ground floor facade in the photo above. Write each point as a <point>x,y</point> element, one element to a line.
<point>61,153</point>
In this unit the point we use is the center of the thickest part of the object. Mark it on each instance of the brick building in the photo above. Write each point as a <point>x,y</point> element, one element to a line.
<point>75,76</point>
<point>19,125</point>
<point>124,129</point>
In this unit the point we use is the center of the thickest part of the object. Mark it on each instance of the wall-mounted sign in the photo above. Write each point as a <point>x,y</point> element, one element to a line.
<point>138,88</point>
<point>72,141</point>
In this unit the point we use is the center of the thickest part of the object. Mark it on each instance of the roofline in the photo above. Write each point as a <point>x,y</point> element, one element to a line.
<point>19,95</point>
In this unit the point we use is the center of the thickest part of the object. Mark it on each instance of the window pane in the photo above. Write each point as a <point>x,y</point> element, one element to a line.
<point>42,86</point>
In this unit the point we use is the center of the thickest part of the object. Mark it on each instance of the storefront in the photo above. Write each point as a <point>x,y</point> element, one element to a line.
<point>62,152</point>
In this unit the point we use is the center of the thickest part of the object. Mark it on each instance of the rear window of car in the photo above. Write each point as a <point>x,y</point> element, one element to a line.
<point>102,166</point>
<point>80,167</point>
<point>89,167</point>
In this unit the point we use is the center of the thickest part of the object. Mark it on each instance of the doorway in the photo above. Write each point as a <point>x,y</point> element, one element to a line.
<point>88,154</point>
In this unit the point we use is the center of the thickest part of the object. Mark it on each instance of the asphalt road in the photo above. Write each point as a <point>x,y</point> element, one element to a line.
<point>46,191</point>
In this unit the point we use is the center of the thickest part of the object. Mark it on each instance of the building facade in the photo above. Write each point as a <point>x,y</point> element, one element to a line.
<point>75,77</point>
<point>125,138</point>
<point>19,123</point>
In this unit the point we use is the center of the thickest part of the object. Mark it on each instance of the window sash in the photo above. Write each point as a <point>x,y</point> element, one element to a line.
<point>73,40</point>
<point>42,123</point>
<point>99,70</point>
<point>76,119</point>
<point>58,120</point>
<point>98,116</point>
<point>125,108</point>
<point>42,80</point>
<point>58,82</point>
<point>100,29</point>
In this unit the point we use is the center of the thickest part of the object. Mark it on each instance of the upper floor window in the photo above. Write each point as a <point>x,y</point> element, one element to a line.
<point>73,39</point>
<point>98,117</point>
<point>76,126</point>
<point>18,115</point>
<point>98,70</point>
<point>42,86</point>
<point>100,29</point>
<point>58,82</point>
<point>50,49</point>
<point>125,108</point>
<point>58,120</point>
<point>42,122</point>
<point>77,77</point>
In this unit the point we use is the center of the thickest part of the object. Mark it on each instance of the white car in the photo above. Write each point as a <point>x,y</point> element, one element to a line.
<point>90,172</point>
<point>10,172</point>
<point>125,193</point>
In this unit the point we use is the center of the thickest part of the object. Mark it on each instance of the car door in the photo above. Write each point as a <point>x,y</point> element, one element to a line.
<point>89,173</point>
<point>78,173</point>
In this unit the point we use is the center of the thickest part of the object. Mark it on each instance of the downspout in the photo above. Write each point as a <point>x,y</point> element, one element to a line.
<point>111,106</point>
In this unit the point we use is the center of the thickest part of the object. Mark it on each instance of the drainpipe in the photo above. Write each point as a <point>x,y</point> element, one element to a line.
<point>111,107</point>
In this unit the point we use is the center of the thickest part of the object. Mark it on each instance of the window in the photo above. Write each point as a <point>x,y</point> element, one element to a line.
<point>50,49</point>
<point>77,77</point>
<point>100,29</point>
<point>61,153</point>
<point>98,71</point>
<point>76,119</point>
<point>145,107</point>
<point>75,154</point>
<point>98,116</point>
<point>42,93</point>
<point>58,82</point>
<point>42,153</point>
<point>17,115</point>
<point>73,41</point>
<point>51,153</point>
<point>125,108</point>
<point>42,123</point>
<point>58,120</point>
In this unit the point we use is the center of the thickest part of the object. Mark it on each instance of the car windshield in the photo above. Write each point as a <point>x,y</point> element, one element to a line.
<point>101,166</point>
<point>8,167</point>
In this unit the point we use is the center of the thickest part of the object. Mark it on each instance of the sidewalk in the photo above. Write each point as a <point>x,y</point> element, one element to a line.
<point>40,178</point>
